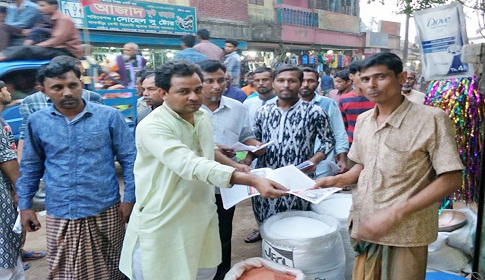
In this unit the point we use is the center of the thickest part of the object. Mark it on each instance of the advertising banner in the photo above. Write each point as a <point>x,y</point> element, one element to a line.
<point>442,34</point>
<point>131,16</point>
<point>338,22</point>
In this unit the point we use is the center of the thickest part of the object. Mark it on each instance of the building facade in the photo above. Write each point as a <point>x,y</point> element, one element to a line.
<point>269,31</point>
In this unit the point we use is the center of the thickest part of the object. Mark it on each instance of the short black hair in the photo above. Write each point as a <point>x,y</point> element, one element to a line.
<point>179,68</point>
<point>232,42</point>
<point>146,75</point>
<point>211,66</point>
<point>66,58</point>
<point>288,67</point>
<point>3,10</point>
<point>50,2</point>
<point>188,40</point>
<point>390,60</point>
<point>56,69</point>
<point>203,34</point>
<point>310,70</point>
<point>354,67</point>
<point>342,74</point>
<point>263,69</point>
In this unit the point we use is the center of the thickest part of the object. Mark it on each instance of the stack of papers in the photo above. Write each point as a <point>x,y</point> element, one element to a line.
<point>238,147</point>
<point>297,182</point>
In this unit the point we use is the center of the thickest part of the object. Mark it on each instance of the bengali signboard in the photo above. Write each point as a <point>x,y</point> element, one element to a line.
<point>131,16</point>
<point>338,22</point>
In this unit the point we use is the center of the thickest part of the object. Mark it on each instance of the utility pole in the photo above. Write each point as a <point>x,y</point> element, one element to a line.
<point>406,32</point>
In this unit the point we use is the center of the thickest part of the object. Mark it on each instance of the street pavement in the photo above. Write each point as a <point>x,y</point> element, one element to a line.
<point>243,224</point>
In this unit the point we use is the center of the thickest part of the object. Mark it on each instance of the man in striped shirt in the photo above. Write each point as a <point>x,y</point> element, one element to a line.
<point>354,103</point>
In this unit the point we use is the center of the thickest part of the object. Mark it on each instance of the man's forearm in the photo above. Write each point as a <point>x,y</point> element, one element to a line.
<point>317,157</point>
<point>243,178</point>
<point>20,148</point>
<point>222,159</point>
<point>253,142</point>
<point>11,170</point>
<point>349,177</point>
<point>342,157</point>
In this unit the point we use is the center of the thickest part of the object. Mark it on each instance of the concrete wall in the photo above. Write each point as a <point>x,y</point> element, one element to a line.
<point>318,36</point>
<point>226,29</point>
<point>262,22</point>
<point>262,14</point>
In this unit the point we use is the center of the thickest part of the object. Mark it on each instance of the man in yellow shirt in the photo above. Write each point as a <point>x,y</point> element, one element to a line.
<point>173,231</point>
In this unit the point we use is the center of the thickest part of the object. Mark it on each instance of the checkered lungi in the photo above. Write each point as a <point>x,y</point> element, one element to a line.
<point>87,248</point>
<point>380,262</point>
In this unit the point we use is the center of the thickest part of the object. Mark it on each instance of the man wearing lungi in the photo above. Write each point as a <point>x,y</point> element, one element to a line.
<point>72,145</point>
<point>406,161</point>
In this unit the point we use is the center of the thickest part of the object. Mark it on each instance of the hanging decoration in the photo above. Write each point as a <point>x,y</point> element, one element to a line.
<point>460,98</point>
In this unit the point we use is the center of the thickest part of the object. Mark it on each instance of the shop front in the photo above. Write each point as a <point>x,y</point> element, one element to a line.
<point>321,58</point>
<point>155,27</point>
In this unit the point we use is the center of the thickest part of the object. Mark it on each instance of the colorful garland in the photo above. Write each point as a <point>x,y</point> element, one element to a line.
<point>461,99</point>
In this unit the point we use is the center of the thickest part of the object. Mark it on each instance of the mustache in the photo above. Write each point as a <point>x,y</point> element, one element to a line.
<point>308,88</point>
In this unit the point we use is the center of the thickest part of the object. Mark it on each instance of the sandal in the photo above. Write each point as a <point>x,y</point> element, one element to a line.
<point>254,236</point>
<point>25,265</point>
<point>32,256</point>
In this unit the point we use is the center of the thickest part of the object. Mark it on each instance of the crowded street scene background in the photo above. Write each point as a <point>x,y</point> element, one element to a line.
<point>135,127</point>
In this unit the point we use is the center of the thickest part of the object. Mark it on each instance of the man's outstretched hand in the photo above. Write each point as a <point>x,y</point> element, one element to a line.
<point>325,182</point>
<point>268,188</point>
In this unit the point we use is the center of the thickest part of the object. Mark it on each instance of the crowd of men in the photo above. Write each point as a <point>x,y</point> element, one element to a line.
<point>372,133</point>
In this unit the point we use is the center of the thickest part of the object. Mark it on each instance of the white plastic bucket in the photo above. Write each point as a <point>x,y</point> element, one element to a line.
<point>307,241</point>
<point>338,205</point>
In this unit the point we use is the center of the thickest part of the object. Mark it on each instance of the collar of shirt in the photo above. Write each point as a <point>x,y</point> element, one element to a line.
<point>397,117</point>
<point>316,99</point>
<point>177,116</point>
<point>222,104</point>
<point>298,103</point>
<point>87,110</point>
<point>24,4</point>
<point>268,99</point>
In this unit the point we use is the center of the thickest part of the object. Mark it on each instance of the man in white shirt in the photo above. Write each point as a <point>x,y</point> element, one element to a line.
<point>408,90</point>
<point>230,124</point>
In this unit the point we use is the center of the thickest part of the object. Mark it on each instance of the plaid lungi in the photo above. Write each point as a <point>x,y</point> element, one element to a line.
<point>87,248</point>
<point>380,262</point>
